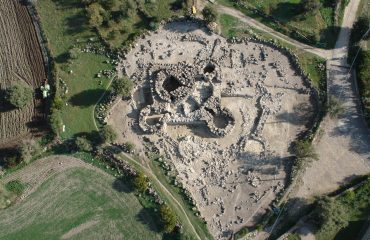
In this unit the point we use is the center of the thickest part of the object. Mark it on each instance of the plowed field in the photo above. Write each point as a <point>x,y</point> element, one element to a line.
<point>20,61</point>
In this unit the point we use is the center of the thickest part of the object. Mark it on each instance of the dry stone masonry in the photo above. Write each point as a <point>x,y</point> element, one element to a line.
<point>223,113</point>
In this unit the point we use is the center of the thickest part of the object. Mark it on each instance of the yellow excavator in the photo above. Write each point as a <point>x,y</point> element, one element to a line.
<point>194,8</point>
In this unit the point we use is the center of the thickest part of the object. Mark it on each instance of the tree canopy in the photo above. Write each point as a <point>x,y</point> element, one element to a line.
<point>19,95</point>
<point>209,13</point>
<point>123,87</point>
<point>108,134</point>
<point>168,218</point>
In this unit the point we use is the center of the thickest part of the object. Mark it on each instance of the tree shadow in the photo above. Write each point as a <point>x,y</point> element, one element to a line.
<point>9,157</point>
<point>287,11</point>
<point>123,184</point>
<point>93,136</point>
<point>148,216</point>
<point>67,4</point>
<point>330,35</point>
<point>76,23</point>
<point>62,58</point>
<point>301,115</point>
<point>86,98</point>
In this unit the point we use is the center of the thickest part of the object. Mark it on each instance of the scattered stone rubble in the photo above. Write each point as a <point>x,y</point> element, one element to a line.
<point>214,108</point>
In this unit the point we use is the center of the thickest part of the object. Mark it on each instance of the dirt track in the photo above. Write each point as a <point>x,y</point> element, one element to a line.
<point>20,61</point>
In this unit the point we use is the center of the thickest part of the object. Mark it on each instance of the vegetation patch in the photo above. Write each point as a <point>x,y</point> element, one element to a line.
<point>338,215</point>
<point>309,21</point>
<point>93,199</point>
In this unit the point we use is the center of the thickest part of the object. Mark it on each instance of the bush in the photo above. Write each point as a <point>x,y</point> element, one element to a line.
<point>130,146</point>
<point>140,182</point>
<point>82,144</point>
<point>304,149</point>
<point>15,187</point>
<point>73,53</point>
<point>209,13</point>
<point>57,103</point>
<point>168,218</point>
<point>123,87</point>
<point>19,95</point>
<point>108,134</point>
<point>55,121</point>
<point>310,5</point>
<point>28,149</point>
<point>335,107</point>
<point>96,14</point>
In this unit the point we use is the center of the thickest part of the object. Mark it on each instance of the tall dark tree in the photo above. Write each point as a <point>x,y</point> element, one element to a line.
<point>209,13</point>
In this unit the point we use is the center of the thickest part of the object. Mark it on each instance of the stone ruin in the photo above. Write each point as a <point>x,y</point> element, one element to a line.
<point>221,113</point>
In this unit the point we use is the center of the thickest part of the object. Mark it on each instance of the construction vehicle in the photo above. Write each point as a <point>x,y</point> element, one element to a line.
<point>194,8</point>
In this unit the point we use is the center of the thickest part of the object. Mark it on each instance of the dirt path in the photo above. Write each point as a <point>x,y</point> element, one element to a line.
<point>154,178</point>
<point>327,54</point>
<point>344,149</point>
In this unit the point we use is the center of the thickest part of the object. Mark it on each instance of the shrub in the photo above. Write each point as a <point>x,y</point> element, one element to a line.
<point>304,149</point>
<point>335,107</point>
<point>15,187</point>
<point>168,218</point>
<point>55,121</point>
<point>108,134</point>
<point>123,87</point>
<point>28,149</point>
<point>82,144</point>
<point>310,5</point>
<point>73,53</point>
<point>57,103</point>
<point>140,182</point>
<point>96,14</point>
<point>130,146</point>
<point>19,95</point>
<point>209,13</point>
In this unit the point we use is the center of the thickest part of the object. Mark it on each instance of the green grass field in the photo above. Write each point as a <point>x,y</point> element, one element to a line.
<point>65,27</point>
<point>315,27</point>
<point>78,203</point>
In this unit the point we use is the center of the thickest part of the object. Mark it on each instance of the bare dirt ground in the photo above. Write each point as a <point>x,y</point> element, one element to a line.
<point>224,116</point>
<point>344,148</point>
<point>20,61</point>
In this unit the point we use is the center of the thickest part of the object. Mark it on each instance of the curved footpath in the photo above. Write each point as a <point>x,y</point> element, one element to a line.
<point>327,54</point>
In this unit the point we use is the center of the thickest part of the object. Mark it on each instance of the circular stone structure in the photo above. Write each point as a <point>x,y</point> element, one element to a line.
<point>222,113</point>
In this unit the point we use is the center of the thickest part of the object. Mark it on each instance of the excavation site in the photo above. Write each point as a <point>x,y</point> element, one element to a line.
<point>222,112</point>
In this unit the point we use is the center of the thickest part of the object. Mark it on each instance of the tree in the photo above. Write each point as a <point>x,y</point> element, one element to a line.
<point>310,5</point>
<point>168,218</point>
<point>359,29</point>
<point>55,121</point>
<point>96,14</point>
<point>140,182</point>
<point>304,149</point>
<point>83,144</point>
<point>19,95</point>
<point>209,13</point>
<point>123,86</point>
<point>108,134</point>
<point>330,215</point>
<point>28,149</point>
